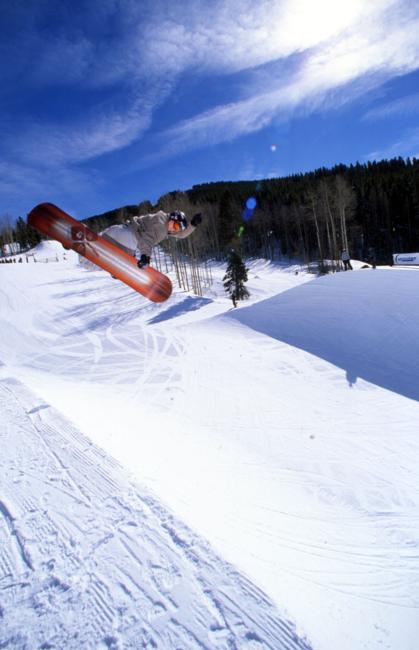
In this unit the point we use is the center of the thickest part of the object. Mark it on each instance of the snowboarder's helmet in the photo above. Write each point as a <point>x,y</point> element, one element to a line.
<point>178,219</point>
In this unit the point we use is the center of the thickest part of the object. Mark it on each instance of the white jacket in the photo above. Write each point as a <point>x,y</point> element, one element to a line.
<point>151,229</point>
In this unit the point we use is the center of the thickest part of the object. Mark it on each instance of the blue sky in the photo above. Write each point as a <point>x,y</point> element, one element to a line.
<point>113,102</point>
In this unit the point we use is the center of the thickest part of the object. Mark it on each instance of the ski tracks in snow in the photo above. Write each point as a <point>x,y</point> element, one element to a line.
<point>88,560</point>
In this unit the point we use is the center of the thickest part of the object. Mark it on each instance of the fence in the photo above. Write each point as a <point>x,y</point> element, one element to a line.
<point>19,259</point>
<point>321,267</point>
<point>180,258</point>
<point>176,258</point>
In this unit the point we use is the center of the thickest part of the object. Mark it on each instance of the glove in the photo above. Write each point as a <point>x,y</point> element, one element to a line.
<point>143,261</point>
<point>196,219</point>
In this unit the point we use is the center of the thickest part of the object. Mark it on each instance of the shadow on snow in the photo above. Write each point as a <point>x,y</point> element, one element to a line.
<point>187,305</point>
<point>363,322</point>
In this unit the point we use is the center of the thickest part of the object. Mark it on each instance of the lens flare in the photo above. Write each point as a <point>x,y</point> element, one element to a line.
<point>251,203</point>
<point>250,206</point>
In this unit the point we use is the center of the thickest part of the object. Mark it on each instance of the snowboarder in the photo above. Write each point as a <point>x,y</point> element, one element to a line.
<point>138,236</point>
<point>346,259</point>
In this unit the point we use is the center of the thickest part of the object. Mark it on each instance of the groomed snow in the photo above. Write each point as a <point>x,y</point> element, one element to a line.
<point>284,432</point>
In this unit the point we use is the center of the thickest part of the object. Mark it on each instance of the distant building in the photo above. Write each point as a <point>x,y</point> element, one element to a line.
<point>11,249</point>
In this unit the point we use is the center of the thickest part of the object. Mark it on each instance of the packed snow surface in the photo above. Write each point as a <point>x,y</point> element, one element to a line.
<point>189,475</point>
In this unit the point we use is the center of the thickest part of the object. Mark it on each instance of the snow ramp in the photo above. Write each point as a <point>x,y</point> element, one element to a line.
<point>363,322</point>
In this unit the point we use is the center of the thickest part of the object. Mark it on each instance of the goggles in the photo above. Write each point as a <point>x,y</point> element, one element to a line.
<point>176,225</point>
<point>178,221</point>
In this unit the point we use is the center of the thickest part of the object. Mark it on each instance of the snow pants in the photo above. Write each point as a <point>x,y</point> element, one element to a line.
<point>123,237</point>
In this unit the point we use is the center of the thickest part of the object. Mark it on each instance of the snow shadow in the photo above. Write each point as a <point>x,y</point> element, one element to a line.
<point>68,281</point>
<point>97,315</point>
<point>187,305</point>
<point>365,322</point>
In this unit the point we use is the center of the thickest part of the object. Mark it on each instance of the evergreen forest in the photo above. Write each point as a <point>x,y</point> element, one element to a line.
<point>371,209</point>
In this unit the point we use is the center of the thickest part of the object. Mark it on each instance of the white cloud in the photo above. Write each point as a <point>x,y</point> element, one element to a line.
<point>153,45</point>
<point>404,106</point>
<point>22,184</point>
<point>141,52</point>
<point>365,55</point>
<point>228,37</point>
<point>61,60</point>
<point>100,133</point>
<point>406,147</point>
<point>164,40</point>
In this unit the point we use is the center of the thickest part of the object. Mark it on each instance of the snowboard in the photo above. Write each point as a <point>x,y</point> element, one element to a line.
<point>57,224</point>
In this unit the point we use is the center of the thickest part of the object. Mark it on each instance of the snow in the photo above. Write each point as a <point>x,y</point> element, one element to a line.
<point>45,251</point>
<point>48,248</point>
<point>193,475</point>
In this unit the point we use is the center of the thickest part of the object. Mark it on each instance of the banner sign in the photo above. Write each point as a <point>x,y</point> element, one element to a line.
<point>406,258</point>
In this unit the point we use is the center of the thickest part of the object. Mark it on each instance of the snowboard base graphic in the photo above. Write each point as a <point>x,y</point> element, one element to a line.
<point>57,224</point>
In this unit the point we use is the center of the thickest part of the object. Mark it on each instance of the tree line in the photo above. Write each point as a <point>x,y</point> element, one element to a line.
<point>371,209</point>
<point>18,232</point>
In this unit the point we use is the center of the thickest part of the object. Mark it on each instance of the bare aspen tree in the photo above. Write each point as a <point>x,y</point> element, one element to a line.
<point>345,205</point>
<point>192,268</point>
<point>301,244</point>
<point>284,214</point>
<point>329,239</point>
<point>6,229</point>
<point>313,207</point>
<point>213,242</point>
<point>155,256</point>
<point>330,219</point>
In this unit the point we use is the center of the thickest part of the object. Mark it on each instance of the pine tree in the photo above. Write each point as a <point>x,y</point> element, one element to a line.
<point>235,277</point>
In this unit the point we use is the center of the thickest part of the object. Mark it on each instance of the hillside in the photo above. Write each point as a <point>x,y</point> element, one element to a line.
<point>196,475</point>
<point>301,215</point>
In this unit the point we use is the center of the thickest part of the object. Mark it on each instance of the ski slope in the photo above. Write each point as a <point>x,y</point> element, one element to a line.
<point>193,475</point>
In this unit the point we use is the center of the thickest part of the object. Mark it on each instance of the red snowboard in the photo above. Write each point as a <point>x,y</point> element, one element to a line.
<point>55,223</point>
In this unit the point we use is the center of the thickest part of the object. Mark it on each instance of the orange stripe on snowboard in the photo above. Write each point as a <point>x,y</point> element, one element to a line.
<point>54,222</point>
